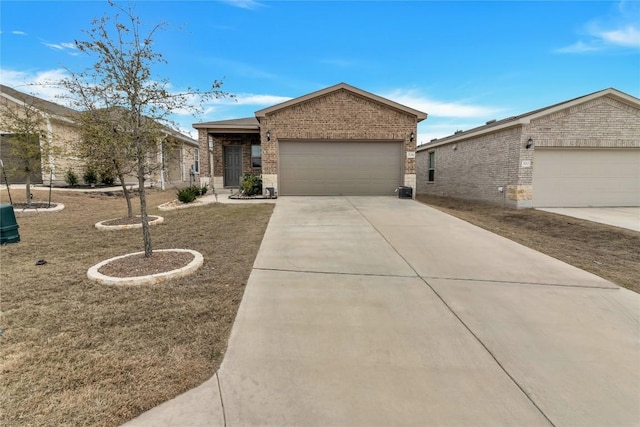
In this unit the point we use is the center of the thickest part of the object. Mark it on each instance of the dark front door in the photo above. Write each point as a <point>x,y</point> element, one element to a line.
<point>232,165</point>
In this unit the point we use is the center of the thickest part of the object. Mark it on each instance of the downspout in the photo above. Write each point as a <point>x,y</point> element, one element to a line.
<point>50,156</point>
<point>162,168</point>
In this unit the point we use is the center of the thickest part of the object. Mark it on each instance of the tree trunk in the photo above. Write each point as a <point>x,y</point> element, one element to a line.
<point>28,189</point>
<point>146,236</point>
<point>127,195</point>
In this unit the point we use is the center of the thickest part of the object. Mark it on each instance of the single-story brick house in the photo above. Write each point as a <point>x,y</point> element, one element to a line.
<point>338,140</point>
<point>578,153</point>
<point>62,132</point>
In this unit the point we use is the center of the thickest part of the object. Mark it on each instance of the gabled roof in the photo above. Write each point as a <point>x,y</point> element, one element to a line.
<point>342,86</point>
<point>526,118</point>
<point>247,124</point>
<point>38,103</point>
<point>68,114</point>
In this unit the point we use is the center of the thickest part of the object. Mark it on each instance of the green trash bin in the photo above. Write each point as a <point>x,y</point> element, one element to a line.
<point>8,225</point>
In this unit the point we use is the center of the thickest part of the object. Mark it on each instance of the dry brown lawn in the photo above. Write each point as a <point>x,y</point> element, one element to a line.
<point>73,352</point>
<point>610,252</point>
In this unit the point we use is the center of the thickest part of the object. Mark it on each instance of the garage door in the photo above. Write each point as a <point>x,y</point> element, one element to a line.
<point>586,177</point>
<point>339,168</point>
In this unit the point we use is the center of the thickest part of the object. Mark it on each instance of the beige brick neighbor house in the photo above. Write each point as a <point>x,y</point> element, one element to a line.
<point>62,133</point>
<point>578,153</point>
<point>338,140</point>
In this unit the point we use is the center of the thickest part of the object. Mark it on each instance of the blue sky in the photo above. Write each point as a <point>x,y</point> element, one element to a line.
<point>461,62</point>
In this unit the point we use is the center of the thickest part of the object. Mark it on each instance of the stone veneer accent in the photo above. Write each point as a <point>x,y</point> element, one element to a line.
<point>474,168</point>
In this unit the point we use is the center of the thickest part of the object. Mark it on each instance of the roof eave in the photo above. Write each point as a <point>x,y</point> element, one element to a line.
<point>470,134</point>
<point>420,116</point>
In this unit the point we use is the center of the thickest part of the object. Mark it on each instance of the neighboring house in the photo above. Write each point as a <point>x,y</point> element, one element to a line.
<point>339,140</point>
<point>179,157</point>
<point>60,130</point>
<point>578,153</point>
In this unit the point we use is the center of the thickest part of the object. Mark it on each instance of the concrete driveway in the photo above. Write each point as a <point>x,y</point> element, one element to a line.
<point>625,217</point>
<point>377,311</point>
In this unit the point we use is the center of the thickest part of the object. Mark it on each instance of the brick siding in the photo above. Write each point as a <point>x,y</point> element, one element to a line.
<point>479,165</point>
<point>336,116</point>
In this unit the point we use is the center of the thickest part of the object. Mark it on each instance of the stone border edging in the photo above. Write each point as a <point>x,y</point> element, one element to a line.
<point>100,226</point>
<point>170,206</point>
<point>196,263</point>
<point>57,208</point>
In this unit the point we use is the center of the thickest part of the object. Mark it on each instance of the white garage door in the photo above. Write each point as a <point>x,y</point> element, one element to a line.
<point>311,168</point>
<point>586,177</point>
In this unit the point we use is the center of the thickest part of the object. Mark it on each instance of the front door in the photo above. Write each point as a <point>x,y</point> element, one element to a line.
<point>232,165</point>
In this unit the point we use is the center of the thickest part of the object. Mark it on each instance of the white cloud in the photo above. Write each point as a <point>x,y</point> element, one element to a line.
<point>253,99</point>
<point>19,33</point>
<point>244,4</point>
<point>435,108</point>
<point>39,83</point>
<point>579,47</point>
<point>621,30</point>
<point>70,48</point>
<point>627,36</point>
<point>53,46</point>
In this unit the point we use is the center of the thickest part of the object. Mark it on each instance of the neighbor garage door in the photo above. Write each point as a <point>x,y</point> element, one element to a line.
<point>586,177</point>
<point>336,168</point>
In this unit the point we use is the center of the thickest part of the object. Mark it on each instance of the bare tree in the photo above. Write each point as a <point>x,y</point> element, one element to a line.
<point>27,137</point>
<point>104,146</point>
<point>122,79</point>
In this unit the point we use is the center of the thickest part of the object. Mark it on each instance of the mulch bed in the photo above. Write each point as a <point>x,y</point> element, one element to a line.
<point>129,220</point>
<point>138,265</point>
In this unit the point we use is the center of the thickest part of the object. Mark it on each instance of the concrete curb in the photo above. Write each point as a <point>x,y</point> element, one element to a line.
<point>57,208</point>
<point>170,207</point>
<point>100,225</point>
<point>96,276</point>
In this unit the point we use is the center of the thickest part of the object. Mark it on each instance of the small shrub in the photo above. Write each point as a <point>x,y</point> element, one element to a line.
<point>251,185</point>
<point>187,195</point>
<point>90,176</point>
<point>71,177</point>
<point>107,179</point>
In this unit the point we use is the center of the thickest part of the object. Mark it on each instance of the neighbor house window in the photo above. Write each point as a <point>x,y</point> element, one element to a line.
<point>256,156</point>
<point>196,160</point>
<point>432,166</point>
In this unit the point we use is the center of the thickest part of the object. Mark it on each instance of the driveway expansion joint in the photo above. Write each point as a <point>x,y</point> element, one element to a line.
<point>476,337</point>
<point>224,415</point>
<point>335,272</point>
<point>508,282</point>
<point>493,356</point>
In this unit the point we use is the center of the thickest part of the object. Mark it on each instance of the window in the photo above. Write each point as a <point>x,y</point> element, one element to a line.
<point>256,156</point>
<point>196,160</point>
<point>432,166</point>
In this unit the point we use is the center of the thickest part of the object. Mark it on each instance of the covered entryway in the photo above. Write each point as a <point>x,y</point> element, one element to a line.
<point>315,168</point>
<point>586,177</point>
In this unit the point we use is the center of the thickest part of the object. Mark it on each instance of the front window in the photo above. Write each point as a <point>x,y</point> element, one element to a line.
<point>256,156</point>
<point>432,166</point>
<point>196,160</point>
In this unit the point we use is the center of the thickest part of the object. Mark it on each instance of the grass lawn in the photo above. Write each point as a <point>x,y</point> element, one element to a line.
<point>610,252</point>
<point>73,352</point>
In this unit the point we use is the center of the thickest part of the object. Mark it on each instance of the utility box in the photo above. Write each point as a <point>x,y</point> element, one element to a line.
<point>8,225</point>
<point>405,192</point>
